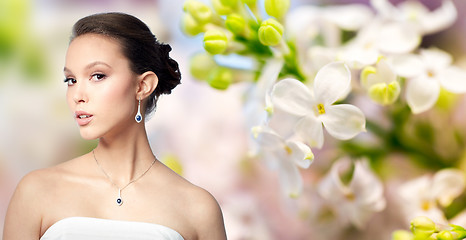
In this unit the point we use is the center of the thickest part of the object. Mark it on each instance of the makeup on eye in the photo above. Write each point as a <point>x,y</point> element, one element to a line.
<point>98,77</point>
<point>69,81</point>
<point>94,69</point>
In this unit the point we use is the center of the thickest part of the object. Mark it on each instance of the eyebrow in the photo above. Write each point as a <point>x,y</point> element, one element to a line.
<point>90,65</point>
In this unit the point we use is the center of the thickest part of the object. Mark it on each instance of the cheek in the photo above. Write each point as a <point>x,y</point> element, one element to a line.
<point>120,98</point>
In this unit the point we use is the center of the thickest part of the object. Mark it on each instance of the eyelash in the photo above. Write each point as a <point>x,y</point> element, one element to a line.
<point>70,81</point>
<point>98,77</point>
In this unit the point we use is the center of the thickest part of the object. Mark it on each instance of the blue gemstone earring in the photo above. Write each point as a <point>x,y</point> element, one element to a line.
<point>138,116</point>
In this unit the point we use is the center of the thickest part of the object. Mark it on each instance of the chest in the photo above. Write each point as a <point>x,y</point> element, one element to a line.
<point>139,203</point>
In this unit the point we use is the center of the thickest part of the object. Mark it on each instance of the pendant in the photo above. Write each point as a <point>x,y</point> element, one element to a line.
<point>138,116</point>
<point>119,201</point>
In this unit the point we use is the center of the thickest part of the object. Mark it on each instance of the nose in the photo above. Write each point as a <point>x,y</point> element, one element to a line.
<point>79,93</point>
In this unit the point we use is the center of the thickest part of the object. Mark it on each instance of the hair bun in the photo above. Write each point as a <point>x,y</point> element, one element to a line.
<point>170,74</point>
<point>165,49</point>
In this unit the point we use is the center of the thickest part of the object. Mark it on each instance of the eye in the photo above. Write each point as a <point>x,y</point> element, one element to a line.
<point>98,76</point>
<point>70,81</point>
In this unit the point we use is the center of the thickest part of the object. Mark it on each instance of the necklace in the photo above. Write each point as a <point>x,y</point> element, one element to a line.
<point>119,200</point>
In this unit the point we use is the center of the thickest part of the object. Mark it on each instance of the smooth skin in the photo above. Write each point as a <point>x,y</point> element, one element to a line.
<point>101,83</point>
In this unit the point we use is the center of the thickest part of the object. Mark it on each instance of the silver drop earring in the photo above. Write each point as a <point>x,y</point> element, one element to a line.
<point>138,116</point>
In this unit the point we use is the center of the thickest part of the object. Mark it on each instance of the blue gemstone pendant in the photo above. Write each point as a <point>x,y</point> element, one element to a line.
<point>119,201</point>
<point>138,116</point>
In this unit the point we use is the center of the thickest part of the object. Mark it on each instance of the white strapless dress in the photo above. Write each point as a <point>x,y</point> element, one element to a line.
<point>86,228</point>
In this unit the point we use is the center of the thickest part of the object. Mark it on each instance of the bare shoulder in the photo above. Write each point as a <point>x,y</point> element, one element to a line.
<point>31,199</point>
<point>193,197</point>
<point>32,184</point>
<point>25,211</point>
<point>196,211</point>
<point>37,180</point>
<point>40,177</point>
<point>203,212</point>
<point>32,188</point>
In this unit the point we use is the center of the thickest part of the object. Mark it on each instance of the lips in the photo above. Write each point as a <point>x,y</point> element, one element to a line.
<point>83,118</point>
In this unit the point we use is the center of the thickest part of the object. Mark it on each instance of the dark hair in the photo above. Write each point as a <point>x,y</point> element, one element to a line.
<point>139,45</point>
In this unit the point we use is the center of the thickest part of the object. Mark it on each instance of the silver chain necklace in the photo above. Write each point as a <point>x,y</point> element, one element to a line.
<point>119,200</point>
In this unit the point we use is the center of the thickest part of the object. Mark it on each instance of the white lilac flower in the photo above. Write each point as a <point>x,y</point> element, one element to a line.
<point>397,30</point>
<point>424,196</point>
<point>258,95</point>
<point>284,156</point>
<point>428,72</point>
<point>317,57</point>
<point>315,107</point>
<point>381,83</point>
<point>418,15</point>
<point>257,106</point>
<point>356,201</point>
<point>406,65</point>
<point>379,38</point>
<point>302,28</point>
<point>350,17</point>
<point>308,25</point>
<point>309,21</point>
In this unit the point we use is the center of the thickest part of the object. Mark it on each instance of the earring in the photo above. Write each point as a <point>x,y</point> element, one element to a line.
<point>138,116</point>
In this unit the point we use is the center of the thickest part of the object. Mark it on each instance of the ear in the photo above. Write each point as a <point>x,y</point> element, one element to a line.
<point>147,82</point>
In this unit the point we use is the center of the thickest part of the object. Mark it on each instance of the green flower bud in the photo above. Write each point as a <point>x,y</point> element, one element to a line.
<point>190,26</point>
<point>220,8</point>
<point>402,235</point>
<point>458,231</point>
<point>235,23</point>
<point>446,100</point>
<point>14,17</point>
<point>220,78</point>
<point>445,235</point>
<point>385,94</point>
<point>230,3</point>
<point>270,32</point>
<point>215,41</point>
<point>201,65</point>
<point>198,10</point>
<point>250,3</point>
<point>422,226</point>
<point>277,8</point>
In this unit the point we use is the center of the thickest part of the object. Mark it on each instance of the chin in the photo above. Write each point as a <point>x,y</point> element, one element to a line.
<point>88,135</point>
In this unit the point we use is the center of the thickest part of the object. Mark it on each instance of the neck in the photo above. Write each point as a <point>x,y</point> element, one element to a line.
<point>126,155</point>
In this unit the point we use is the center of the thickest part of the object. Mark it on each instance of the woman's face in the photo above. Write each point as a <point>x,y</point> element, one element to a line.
<point>101,86</point>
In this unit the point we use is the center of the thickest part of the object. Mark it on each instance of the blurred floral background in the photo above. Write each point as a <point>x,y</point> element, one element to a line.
<point>386,79</point>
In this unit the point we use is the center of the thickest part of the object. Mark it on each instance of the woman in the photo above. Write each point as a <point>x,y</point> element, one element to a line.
<point>115,70</point>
